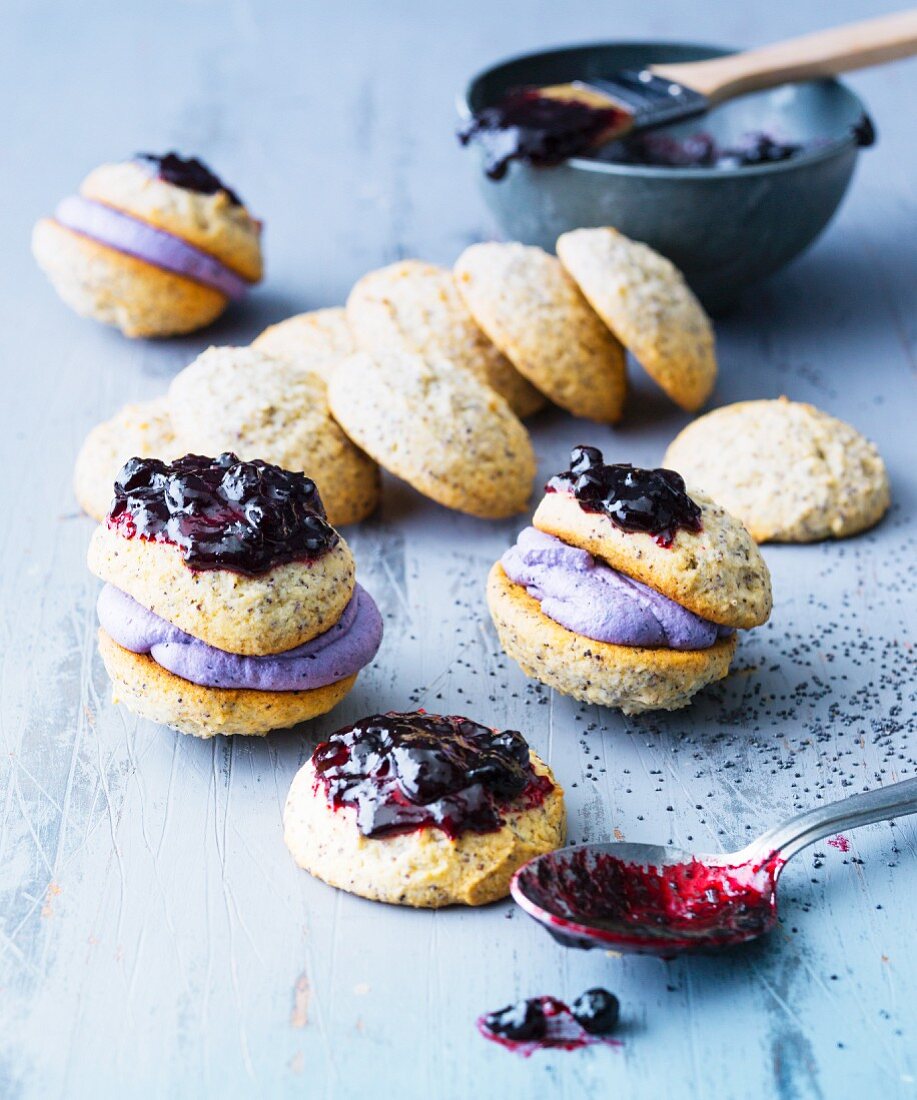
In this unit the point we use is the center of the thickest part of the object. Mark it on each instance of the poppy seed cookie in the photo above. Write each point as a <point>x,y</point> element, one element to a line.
<point>632,679</point>
<point>646,303</point>
<point>143,430</point>
<point>788,471</point>
<point>532,310</point>
<point>437,427</point>
<point>242,400</point>
<point>415,306</point>
<point>452,831</point>
<point>316,341</point>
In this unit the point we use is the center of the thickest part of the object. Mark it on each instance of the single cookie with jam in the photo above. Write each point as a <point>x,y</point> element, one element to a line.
<point>156,246</point>
<point>423,810</point>
<point>628,589</point>
<point>230,604</point>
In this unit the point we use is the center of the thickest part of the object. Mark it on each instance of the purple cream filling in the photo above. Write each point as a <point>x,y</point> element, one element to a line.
<point>126,234</point>
<point>341,651</point>
<point>592,599</point>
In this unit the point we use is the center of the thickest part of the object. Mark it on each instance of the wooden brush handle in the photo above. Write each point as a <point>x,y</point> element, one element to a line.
<point>825,53</point>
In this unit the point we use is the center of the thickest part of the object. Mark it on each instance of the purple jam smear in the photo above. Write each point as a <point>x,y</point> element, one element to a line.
<point>653,502</point>
<point>402,772</point>
<point>546,1023</point>
<point>528,126</point>
<point>672,907</point>
<point>189,173</point>
<point>222,513</point>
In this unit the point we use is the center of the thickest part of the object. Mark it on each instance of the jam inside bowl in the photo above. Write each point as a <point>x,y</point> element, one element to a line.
<point>724,224</point>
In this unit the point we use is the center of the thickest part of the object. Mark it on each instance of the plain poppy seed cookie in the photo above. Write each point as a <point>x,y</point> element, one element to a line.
<point>532,310</point>
<point>790,472</point>
<point>252,615</point>
<point>629,678</point>
<point>717,572</point>
<point>646,303</point>
<point>437,427</point>
<point>316,341</point>
<point>415,306</point>
<point>259,407</point>
<point>149,690</point>
<point>143,430</point>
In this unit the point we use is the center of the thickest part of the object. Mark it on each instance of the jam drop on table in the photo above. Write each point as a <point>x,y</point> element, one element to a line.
<point>222,513</point>
<point>188,173</point>
<point>653,502</point>
<point>544,1023</point>
<point>403,772</point>
<point>528,126</point>
<point>690,904</point>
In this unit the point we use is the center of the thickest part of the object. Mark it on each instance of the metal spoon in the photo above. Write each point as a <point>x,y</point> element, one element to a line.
<point>658,900</point>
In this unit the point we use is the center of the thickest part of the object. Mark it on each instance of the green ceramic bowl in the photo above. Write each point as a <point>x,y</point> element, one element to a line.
<point>725,229</point>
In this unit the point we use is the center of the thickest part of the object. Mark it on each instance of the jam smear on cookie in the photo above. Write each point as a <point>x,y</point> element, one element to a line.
<point>189,173</point>
<point>222,513</point>
<point>538,129</point>
<point>402,772</point>
<point>653,502</point>
<point>547,1023</point>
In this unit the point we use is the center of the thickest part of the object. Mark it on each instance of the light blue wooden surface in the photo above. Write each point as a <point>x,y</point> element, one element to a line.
<point>155,938</point>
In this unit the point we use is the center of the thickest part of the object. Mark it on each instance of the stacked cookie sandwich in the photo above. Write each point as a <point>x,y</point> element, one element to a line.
<point>627,590</point>
<point>230,603</point>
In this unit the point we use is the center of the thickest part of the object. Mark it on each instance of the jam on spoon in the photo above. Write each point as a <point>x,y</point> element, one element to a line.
<point>544,1023</point>
<point>657,900</point>
<point>222,513</point>
<point>654,502</point>
<point>402,772</point>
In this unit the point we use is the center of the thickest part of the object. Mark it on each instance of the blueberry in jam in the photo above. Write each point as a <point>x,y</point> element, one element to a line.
<point>654,502</point>
<point>546,1023</point>
<point>222,513</point>
<point>402,772</point>
<point>521,1021</point>
<point>596,1011</point>
<point>541,130</point>
<point>188,173</point>
<point>698,150</point>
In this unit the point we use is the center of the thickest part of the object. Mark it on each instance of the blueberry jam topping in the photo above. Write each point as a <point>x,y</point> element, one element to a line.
<point>188,173</point>
<point>653,502</point>
<point>544,1023</point>
<point>222,513</point>
<point>528,126</point>
<point>402,772</point>
<point>698,150</point>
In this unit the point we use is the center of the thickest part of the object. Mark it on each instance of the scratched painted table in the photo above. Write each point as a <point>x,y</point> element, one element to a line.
<point>155,938</point>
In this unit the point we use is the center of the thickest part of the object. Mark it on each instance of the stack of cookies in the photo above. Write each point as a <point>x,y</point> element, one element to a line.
<point>428,373</point>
